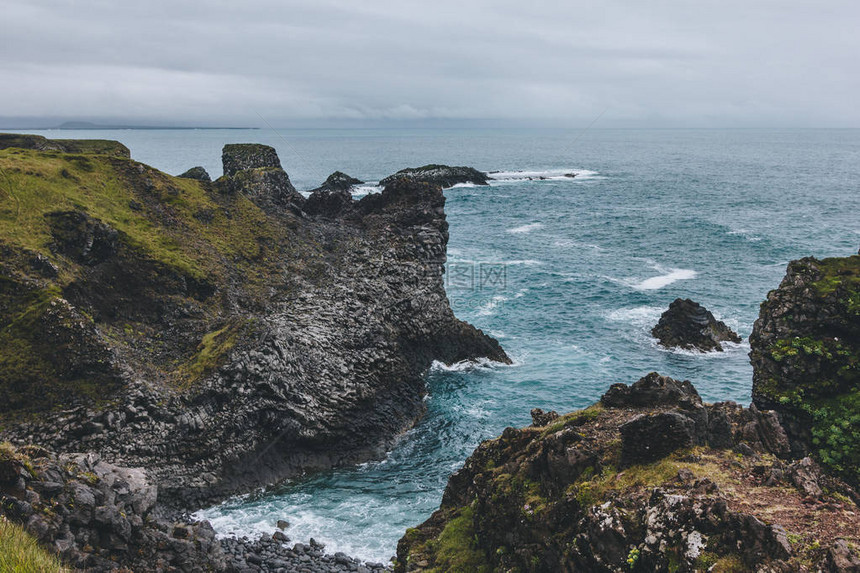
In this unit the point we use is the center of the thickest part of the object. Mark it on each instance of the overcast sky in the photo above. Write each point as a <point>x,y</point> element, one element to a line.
<point>659,62</point>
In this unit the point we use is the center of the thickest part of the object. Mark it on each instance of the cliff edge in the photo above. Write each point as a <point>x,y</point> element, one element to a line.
<point>214,332</point>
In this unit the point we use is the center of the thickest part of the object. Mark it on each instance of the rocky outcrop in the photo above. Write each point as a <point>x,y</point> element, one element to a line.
<point>39,143</point>
<point>255,171</point>
<point>649,479</point>
<point>198,173</point>
<point>690,326</point>
<point>441,175</point>
<point>214,333</point>
<point>806,360</point>
<point>338,181</point>
<point>96,515</point>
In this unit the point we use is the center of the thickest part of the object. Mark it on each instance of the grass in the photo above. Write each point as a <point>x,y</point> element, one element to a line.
<point>455,548</point>
<point>20,553</point>
<point>210,352</point>
<point>156,213</point>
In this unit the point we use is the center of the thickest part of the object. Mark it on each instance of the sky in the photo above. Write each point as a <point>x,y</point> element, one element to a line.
<point>660,63</point>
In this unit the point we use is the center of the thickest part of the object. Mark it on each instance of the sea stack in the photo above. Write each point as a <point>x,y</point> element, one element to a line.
<point>690,326</point>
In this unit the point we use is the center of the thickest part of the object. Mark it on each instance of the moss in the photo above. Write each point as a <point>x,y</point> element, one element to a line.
<point>153,211</point>
<point>574,419</point>
<point>455,550</point>
<point>20,553</point>
<point>211,351</point>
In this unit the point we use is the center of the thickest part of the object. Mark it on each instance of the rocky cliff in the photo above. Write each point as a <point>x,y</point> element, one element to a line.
<point>806,360</point>
<point>216,333</point>
<point>649,479</point>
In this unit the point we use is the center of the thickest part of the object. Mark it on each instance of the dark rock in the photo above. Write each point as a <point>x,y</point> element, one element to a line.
<point>541,418</point>
<point>650,437</point>
<point>83,146</point>
<point>80,237</point>
<point>338,181</point>
<point>327,203</point>
<point>541,500</point>
<point>649,391</point>
<point>689,325</point>
<point>283,524</point>
<point>441,175</point>
<point>198,173</point>
<point>805,348</point>
<point>238,157</point>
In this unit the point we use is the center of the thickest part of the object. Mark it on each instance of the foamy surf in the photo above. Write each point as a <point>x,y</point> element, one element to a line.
<point>541,175</point>
<point>523,229</point>
<point>466,365</point>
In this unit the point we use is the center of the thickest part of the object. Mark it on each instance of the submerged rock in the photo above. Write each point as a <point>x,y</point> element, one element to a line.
<point>689,325</point>
<point>441,175</point>
<point>198,173</point>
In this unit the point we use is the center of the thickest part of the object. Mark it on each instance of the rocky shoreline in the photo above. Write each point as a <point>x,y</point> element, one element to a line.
<point>218,334</point>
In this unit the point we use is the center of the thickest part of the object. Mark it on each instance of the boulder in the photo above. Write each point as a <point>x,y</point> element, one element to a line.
<point>198,173</point>
<point>441,175</point>
<point>338,181</point>
<point>651,437</point>
<point>690,326</point>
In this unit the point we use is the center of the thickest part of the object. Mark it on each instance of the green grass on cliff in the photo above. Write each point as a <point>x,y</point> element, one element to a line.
<point>175,221</point>
<point>20,553</point>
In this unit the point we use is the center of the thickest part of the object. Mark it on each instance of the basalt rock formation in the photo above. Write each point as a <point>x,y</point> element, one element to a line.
<point>649,479</point>
<point>215,333</point>
<point>441,175</point>
<point>689,325</point>
<point>198,173</point>
<point>806,360</point>
<point>338,181</point>
<point>95,515</point>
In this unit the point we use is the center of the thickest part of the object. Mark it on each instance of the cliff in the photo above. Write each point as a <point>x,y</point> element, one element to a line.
<point>648,479</point>
<point>214,333</point>
<point>806,360</point>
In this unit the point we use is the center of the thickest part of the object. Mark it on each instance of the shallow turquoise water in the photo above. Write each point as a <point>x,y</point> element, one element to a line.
<point>589,264</point>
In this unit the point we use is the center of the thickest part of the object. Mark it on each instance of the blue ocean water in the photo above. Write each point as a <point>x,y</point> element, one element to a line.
<point>568,273</point>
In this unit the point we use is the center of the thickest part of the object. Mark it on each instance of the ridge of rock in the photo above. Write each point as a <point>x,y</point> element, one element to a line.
<point>442,175</point>
<point>213,333</point>
<point>634,483</point>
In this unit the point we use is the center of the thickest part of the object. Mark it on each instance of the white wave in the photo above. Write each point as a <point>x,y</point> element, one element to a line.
<point>526,262</point>
<point>671,276</point>
<point>526,228</point>
<point>729,349</point>
<point>541,175</point>
<point>466,365</point>
<point>489,308</point>
<point>746,234</point>
<point>464,185</point>
<point>636,316</point>
<point>366,189</point>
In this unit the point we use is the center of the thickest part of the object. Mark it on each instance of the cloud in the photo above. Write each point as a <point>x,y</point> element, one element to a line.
<point>662,62</point>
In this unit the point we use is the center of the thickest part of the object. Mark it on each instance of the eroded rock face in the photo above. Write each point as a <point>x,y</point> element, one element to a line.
<point>240,340</point>
<point>238,157</point>
<point>689,325</point>
<point>441,175</point>
<point>806,359</point>
<point>633,484</point>
<point>96,515</point>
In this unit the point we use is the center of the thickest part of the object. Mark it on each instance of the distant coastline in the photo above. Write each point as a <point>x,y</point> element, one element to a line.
<point>86,125</point>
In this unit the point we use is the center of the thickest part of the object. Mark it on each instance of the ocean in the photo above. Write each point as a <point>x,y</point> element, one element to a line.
<point>568,273</point>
